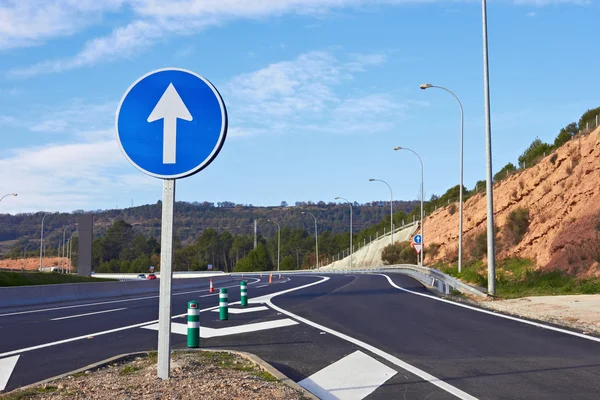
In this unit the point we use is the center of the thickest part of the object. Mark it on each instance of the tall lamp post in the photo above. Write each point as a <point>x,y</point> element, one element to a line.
<point>422,226</point>
<point>351,241</point>
<point>488,151</point>
<point>391,207</point>
<point>62,259</point>
<point>6,195</point>
<point>316,238</point>
<point>460,213</point>
<point>69,248</point>
<point>42,238</point>
<point>278,241</point>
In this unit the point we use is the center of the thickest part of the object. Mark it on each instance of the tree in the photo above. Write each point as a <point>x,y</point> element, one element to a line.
<point>284,204</point>
<point>534,153</point>
<point>504,172</point>
<point>257,260</point>
<point>566,134</point>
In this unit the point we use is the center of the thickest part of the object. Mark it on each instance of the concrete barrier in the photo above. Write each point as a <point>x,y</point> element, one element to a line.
<point>45,294</point>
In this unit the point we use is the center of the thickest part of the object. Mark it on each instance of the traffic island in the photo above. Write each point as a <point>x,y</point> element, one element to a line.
<point>195,374</point>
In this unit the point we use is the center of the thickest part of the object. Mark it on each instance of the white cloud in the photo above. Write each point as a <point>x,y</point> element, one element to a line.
<point>31,22</point>
<point>28,23</point>
<point>531,14</point>
<point>301,95</point>
<point>69,176</point>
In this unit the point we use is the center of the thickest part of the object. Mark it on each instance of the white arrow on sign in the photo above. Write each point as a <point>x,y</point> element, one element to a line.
<point>169,108</point>
<point>7,366</point>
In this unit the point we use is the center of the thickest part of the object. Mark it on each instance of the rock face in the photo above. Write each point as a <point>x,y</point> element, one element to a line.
<point>562,193</point>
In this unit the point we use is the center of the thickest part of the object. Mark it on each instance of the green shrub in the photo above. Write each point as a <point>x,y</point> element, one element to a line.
<point>504,172</point>
<point>452,209</point>
<point>517,224</point>
<point>399,253</point>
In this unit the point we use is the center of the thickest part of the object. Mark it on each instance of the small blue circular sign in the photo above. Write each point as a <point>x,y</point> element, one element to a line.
<point>418,239</point>
<point>171,123</point>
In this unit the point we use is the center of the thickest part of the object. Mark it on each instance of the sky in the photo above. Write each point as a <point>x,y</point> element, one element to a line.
<point>318,93</point>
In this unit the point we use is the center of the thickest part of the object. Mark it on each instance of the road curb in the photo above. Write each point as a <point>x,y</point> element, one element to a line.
<point>122,357</point>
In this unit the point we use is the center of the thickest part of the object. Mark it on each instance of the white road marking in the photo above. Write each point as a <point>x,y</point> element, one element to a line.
<point>394,360</point>
<point>114,301</point>
<point>73,339</point>
<point>87,336</point>
<point>524,321</point>
<point>354,377</point>
<point>258,287</point>
<point>92,313</point>
<point>7,366</point>
<point>206,332</point>
<point>245,310</point>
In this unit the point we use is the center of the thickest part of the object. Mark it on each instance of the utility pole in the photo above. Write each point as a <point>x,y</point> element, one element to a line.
<point>255,229</point>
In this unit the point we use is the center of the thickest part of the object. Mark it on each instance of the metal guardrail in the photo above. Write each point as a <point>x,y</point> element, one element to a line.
<point>430,277</point>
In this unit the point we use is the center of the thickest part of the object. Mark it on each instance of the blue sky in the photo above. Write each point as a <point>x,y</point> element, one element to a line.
<point>318,93</point>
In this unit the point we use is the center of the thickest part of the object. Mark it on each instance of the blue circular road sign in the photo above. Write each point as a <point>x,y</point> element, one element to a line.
<point>418,239</point>
<point>171,123</point>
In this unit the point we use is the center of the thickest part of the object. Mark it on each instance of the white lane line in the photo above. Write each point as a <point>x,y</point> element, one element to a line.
<point>394,360</point>
<point>524,321</point>
<point>91,335</point>
<point>245,310</point>
<point>258,287</point>
<point>113,301</point>
<point>354,377</point>
<point>86,314</point>
<point>7,366</point>
<point>206,332</point>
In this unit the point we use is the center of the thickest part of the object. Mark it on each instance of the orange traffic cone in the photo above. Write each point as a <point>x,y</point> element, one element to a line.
<point>211,290</point>
<point>271,278</point>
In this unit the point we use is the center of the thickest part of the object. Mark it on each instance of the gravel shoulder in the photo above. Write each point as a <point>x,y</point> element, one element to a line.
<point>195,375</point>
<point>579,312</point>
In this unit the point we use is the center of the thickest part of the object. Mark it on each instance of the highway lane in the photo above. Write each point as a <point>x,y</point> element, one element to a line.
<point>27,330</point>
<point>90,339</point>
<point>484,355</point>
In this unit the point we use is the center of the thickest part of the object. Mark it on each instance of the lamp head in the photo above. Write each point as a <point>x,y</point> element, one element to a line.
<point>371,179</point>
<point>303,212</point>
<point>14,194</point>
<point>426,86</point>
<point>337,198</point>
<point>398,148</point>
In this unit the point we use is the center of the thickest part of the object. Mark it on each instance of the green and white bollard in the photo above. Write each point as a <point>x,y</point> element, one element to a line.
<point>193,327</point>
<point>244,293</point>
<point>223,305</point>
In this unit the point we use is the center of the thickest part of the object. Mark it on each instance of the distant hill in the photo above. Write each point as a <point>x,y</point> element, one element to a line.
<point>192,218</point>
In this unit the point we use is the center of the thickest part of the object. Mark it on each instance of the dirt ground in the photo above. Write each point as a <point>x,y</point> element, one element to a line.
<point>579,312</point>
<point>195,375</point>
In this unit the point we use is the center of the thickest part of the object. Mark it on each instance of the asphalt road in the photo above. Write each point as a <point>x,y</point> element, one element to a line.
<point>340,336</point>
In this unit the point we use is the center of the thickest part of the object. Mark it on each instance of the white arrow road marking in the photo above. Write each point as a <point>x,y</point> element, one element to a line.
<point>206,333</point>
<point>169,108</point>
<point>92,313</point>
<point>7,366</point>
<point>354,377</point>
<point>245,310</point>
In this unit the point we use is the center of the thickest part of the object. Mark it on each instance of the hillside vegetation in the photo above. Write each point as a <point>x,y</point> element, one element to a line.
<point>547,210</point>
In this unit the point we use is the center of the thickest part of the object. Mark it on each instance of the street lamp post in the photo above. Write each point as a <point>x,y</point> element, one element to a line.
<point>460,213</point>
<point>316,238</point>
<point>488,150</point>
<point>278,241</point>
<point>422,226</point>
<point>6,195</point>
<point>351,241</point>
<point>42,239</point>
<point>69,249</point>
<point>62,259</point>
<point>391,207</point>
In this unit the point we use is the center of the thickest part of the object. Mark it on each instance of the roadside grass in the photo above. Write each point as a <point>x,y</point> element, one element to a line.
<point>43,278</point>
<point>231,361</point>
<point>516,277</point>
<point>28,394</point>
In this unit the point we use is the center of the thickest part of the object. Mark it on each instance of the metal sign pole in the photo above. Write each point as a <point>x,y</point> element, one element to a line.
<point>166,274</point>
